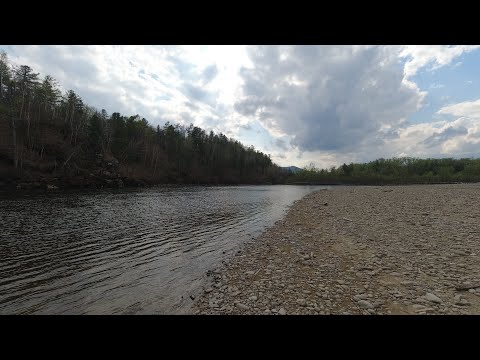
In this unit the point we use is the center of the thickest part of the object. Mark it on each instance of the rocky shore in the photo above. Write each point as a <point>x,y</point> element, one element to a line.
<point>359,250</point>
<point>103,173</point>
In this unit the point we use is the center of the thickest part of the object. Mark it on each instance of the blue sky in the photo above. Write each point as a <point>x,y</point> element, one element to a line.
<point>324,105</point>
<point>457,82</point>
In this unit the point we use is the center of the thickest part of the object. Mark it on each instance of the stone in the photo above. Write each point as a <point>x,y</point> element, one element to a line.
<point>301,302</point>
<point>365,304</point>
<point>241,306</point>
<point>282,311</point>
<point>209,290</point>
<point>433,298</point>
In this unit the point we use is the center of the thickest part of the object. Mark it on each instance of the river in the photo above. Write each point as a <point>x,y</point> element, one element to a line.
<point>130,251</point>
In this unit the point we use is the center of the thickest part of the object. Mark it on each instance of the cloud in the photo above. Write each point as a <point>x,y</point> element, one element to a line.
<point>327,98</point>
<point>466,108</point>
<point>195,92</point>
<point>431,56</point>
<point>443,136</point>
<point>209,73</point>
<point>436,86</point>
<point>281,144</point>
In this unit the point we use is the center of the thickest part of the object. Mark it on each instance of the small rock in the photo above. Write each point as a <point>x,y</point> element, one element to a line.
<point>209,290</point>
<point>365,304</point>
<point>282,311</point>
<point>241,306</point>
<point>192,297</point>
<point>250,273</point>
<point>301,302</point>
<point>433,298</point>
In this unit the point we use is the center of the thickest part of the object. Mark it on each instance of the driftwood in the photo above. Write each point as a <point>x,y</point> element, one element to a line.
<point>467,286</point>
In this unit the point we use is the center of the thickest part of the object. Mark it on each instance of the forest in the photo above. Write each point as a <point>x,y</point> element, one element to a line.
<point>404,170</point>
<point>52,139</point>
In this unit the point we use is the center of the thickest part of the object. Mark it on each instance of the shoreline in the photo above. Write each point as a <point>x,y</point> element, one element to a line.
<point>40,188</point>
<point>401,249</point>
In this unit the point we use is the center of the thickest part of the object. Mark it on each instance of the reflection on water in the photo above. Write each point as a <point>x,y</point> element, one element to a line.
<point>125,251</point>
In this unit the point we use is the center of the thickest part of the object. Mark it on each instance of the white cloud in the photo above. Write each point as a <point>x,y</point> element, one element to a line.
<point>432,56</point>
<point>436,86</point>
<point>329,98</point>
<point>467,108</point>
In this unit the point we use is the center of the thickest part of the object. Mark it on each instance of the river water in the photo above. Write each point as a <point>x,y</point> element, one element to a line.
<point>137,251</point>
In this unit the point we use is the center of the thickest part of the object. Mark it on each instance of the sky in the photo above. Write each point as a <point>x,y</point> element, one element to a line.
<point>323,105</point>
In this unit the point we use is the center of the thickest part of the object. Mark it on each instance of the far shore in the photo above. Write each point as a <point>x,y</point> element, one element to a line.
<point>359,250</point>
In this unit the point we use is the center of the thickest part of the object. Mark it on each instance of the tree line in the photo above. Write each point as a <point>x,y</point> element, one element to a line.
<point>403,170</point>
<point>45,131</point>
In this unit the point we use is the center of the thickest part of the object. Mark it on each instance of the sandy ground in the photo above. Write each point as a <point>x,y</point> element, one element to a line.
<point>359,250</point>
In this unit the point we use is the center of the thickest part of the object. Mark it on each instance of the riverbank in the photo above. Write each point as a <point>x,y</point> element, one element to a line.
<point>359,250</point>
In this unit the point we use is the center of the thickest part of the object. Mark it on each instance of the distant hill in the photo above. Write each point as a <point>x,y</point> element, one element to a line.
<point>292,169</point>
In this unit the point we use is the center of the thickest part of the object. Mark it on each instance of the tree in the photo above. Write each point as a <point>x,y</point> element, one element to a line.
<point>4,73</point>
<point>50,93</point>
<point>94,134</point>
<point>26,80</point>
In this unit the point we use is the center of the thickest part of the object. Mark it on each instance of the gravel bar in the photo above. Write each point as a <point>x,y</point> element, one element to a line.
<point>359,250</point>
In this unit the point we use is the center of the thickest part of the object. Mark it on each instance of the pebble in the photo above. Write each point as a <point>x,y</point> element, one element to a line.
<point>241,306</point>
<point>365,304</point>
<point>301,302</point>
<point>433,298</point>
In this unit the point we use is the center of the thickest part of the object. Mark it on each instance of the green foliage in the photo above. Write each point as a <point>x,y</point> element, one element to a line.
<point>403,170</point>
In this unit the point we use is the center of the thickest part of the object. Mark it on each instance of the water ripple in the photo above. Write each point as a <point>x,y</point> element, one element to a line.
<point>124,251</point>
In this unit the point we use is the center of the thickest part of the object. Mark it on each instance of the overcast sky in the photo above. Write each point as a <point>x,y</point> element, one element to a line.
<point>301,104</point>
